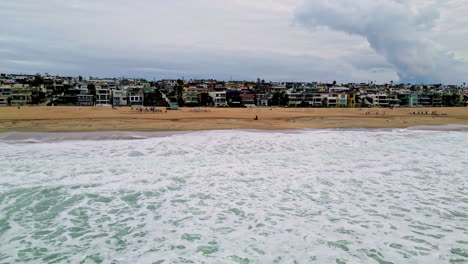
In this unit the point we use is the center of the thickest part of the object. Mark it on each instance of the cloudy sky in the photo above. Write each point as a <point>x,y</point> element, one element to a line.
<point>301,40</point>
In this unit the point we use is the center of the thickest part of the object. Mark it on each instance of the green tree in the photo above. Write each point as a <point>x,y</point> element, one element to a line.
<point>179,88</point>
<point>92,91</point>
<point>284,99</point>
<point>455,99</point>
<point>80,78</point>
<point>35,95</point>
<point>276,99</point>
<point>38,80</point>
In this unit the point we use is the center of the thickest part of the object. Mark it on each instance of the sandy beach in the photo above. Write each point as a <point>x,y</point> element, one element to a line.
<point>82,119</point>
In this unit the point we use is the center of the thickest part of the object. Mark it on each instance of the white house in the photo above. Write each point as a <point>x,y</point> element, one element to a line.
<point>219,98</point>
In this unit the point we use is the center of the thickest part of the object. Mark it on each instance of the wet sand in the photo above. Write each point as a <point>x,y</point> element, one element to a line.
<point>85,119</point>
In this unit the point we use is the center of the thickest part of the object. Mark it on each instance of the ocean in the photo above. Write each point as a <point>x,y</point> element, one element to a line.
<point>299,196</point>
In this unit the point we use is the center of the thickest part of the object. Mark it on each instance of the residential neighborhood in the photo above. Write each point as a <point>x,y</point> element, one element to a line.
<point>46,90</point>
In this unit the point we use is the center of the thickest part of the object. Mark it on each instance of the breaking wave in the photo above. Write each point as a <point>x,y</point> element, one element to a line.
<point>308,196</point>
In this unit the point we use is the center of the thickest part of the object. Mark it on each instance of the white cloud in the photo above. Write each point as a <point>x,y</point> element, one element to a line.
<point>401,32</point>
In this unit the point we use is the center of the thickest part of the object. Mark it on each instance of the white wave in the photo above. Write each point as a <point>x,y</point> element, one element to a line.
<point>357,196</point>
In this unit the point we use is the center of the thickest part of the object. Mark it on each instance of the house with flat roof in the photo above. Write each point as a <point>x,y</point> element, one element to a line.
<point>119,98</point>
<point>5,95</point>
<point>21,94</point>
<point>103,96</point>
<point>219,98</point>
<point>248,100</point>
<point>262,99</point>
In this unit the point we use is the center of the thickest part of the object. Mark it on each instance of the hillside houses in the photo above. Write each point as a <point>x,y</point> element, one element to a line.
<point>56,90</point>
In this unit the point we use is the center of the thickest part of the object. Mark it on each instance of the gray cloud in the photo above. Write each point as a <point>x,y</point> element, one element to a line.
<point>208,39</point>
<point>393,28</point>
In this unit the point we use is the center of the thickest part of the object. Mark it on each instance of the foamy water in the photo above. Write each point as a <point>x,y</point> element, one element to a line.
<point>324,196</point>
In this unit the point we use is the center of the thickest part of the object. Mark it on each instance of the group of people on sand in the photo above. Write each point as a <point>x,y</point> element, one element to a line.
<point>425,113</point>
<point>151,109</point>
<point>376,113</point>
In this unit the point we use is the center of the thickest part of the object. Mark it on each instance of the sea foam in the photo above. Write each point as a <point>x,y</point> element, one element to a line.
<point>310,196</point>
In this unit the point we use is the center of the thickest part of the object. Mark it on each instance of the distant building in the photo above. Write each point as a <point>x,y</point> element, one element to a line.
<point>334,100</point>
<point>119,98</point>
<point>5,95</point>
<point>21,94</point>
<point>233,99</point>
<point>190,97</point>
<point>262,99</point>
<point>135,97</point>
<point>352,100</point>
<point>295,98</point>
<point>219,98</point>
<point>378,100</point>
<point>103,96</point>
<point>248,100</point>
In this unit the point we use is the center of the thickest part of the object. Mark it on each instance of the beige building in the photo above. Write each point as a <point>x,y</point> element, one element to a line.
<point>19,94</point>
<point>5,93</point>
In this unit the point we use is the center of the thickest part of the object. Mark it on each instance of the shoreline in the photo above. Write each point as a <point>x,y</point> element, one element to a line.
<point>96,119</point>
<point>44,137</point>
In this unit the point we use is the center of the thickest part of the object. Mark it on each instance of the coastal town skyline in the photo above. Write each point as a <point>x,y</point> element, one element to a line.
<point>173,93</point>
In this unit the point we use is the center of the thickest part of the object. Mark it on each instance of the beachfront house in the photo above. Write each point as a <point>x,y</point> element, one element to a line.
<point>334,100</point>
<point>119,98</point>
<point>295,98</point>
<point>378,100</point>
<point>436,99</point>
<point>69,97</point>
<point>21,94</point>
<point>425,100</point>
<point>248,100</point>
<point>352,100</point>
<point>5,95</point>
<point>262,99</point>
<point>233,98</point>
<point>190,97</point>
<point>219,98</point>
<point>103,96</point>
<point>316,100</point>
<point>135,98</point>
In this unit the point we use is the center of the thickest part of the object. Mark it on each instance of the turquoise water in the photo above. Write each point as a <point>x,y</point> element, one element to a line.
<point>324,196</point>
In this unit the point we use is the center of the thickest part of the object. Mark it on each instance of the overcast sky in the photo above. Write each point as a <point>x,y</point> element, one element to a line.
<point>288,40</point>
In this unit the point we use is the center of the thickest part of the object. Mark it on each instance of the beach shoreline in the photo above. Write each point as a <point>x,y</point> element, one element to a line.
<point>95,119</point>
